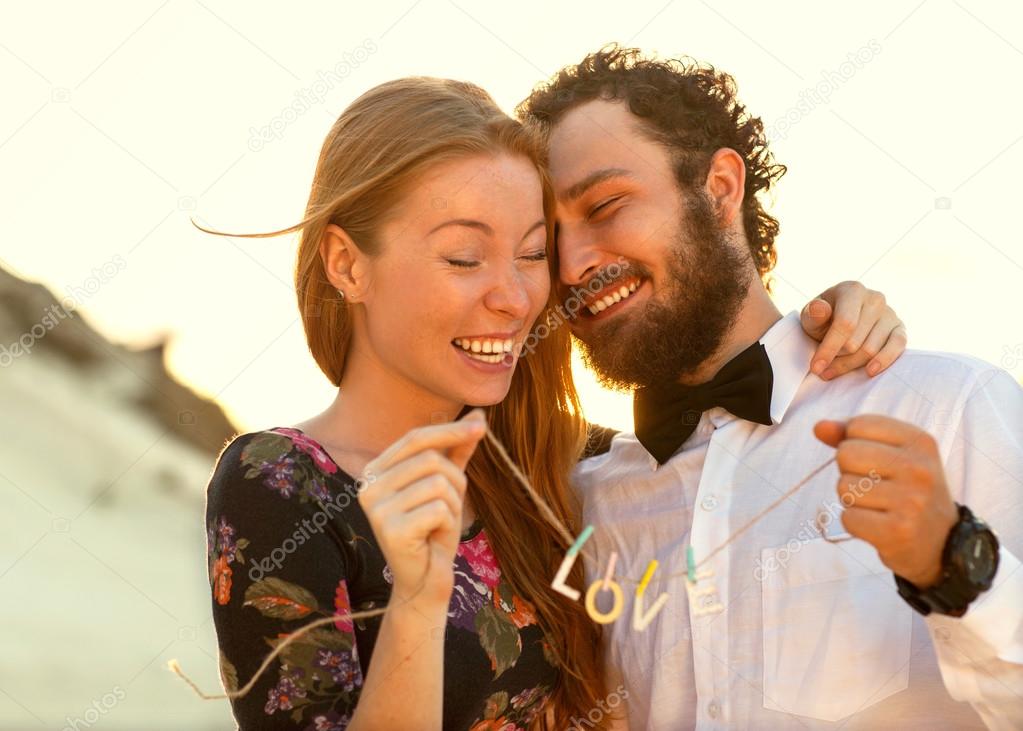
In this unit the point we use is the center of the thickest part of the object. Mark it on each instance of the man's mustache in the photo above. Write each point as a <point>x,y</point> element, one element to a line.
<point>572,297</point>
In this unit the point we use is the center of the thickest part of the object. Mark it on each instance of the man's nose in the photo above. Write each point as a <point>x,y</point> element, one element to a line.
<point>578,257</point>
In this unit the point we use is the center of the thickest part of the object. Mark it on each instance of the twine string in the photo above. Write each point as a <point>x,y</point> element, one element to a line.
<point>548,515</point>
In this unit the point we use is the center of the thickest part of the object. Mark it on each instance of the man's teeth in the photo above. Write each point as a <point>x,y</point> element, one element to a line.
<point>486,350</point>
<point>611,299</point>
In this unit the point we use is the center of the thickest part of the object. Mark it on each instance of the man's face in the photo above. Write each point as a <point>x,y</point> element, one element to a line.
<point>651,261</point>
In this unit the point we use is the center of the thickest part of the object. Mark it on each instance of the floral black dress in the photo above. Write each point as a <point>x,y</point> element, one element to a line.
<point>288,543</point>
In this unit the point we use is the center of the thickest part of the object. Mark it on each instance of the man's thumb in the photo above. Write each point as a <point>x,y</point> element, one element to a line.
<point>831,433</point>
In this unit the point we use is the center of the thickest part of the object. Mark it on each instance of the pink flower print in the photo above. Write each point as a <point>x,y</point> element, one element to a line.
<point>305,444</point>
<point>481,559</point>
<point>343,605</point>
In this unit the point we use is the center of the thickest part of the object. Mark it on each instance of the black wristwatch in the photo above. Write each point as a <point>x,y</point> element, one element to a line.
<point>969,563</point>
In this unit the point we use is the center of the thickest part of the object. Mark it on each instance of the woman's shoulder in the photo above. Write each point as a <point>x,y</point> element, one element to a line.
<point>283,460</point>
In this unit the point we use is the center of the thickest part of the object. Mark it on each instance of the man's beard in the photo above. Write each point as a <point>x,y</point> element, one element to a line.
<point>683,325</point>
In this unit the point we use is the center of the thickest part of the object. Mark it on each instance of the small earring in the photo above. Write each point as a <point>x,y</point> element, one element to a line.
<point>341,294</point>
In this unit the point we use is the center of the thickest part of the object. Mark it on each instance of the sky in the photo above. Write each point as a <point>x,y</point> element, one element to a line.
<point>899,124</point>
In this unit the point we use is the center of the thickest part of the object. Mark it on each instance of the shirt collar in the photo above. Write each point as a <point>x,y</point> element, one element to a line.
<point>790,350</point>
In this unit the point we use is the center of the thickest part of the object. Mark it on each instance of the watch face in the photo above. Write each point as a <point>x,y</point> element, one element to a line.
<point>978,557</point>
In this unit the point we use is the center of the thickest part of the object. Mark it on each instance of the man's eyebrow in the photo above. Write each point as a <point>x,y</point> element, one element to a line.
<point>469,223</point>
<point>599,176</point>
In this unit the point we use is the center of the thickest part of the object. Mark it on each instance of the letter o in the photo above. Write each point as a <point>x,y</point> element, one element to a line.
<point>591,605</point>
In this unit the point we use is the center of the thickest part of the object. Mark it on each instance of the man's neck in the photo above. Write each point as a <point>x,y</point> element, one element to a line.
<point>757,316</point>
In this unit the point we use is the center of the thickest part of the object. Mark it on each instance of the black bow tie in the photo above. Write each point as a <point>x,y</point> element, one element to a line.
<point>666,414</point>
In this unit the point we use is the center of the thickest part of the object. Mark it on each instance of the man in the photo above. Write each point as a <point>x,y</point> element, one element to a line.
<point>656,164</point>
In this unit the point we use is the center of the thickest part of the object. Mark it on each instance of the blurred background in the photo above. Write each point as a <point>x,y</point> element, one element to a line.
<point>133,347</point>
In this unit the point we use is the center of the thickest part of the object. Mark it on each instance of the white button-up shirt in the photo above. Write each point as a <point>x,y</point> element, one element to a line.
<point>812,634</point>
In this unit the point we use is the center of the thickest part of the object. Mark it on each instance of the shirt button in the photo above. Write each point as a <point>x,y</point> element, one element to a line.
<point>713,709</point>
<point>709,503</point>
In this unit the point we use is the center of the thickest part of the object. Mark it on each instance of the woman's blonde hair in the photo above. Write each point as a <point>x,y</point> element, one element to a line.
<point>375,152</point>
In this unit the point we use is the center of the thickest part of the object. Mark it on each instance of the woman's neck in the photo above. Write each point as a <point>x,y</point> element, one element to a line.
<point>373,408</point>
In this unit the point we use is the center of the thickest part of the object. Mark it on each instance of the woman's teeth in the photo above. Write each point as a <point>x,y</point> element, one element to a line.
<point>485,350</point>
<point>614,298</point>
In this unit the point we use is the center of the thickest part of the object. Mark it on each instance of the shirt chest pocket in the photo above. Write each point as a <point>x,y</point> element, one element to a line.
<point>836,634</point>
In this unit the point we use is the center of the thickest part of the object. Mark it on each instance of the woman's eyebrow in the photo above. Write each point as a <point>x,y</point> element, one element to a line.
<point>467,222</point>
<point>480,226</point>
<point>541,223</point>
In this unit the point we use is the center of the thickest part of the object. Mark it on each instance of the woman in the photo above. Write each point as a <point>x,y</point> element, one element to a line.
<point>421,271</point>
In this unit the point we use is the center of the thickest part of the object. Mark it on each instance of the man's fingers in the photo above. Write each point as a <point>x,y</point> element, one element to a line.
<point>830,432</point>
<point>866,457</point>
<point>863,491</point>
<point>884,429</point>
<point>873,526</point>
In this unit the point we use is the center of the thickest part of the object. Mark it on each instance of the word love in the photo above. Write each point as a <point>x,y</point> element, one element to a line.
<point>641,617</point>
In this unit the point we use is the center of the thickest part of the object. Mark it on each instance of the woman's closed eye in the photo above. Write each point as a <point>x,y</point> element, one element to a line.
<point>467,264</point>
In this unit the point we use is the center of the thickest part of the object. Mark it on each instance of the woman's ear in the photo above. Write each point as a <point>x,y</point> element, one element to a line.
<point>726,183</point>
<point>345,263</point>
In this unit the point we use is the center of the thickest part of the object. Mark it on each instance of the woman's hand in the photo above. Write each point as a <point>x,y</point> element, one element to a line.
<point>855,327</point>
<point>413,498</point>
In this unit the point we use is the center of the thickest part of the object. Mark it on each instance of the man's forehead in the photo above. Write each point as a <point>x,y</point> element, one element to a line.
<point>596,141</point>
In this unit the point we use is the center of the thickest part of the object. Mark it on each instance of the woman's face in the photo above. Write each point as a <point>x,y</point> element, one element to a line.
<point>460,278</point>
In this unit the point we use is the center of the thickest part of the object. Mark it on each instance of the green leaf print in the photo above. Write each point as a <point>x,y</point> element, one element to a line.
<point>265,448</point>
<point>495,705</point>
<point>280,599</point>
<point>228,674</point>
<point>499,638</point>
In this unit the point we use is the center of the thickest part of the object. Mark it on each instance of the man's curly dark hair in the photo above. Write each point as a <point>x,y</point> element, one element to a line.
<point>689,107</point>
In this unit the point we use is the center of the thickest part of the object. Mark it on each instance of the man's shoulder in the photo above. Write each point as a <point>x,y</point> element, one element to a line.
<point>608,451</point>
<point>945,362</point>
<point>933,374</point>
<point>926,387</point>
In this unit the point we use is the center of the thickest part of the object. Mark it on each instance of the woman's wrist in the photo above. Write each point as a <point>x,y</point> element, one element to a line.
<point>427,604</point>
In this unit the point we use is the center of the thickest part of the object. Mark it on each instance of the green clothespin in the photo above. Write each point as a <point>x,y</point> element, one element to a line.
<point>691,564</point>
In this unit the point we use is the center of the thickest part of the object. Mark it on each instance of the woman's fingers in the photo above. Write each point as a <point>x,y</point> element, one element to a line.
<point>402,474</point>
<point>885,343</point>
<point>461,453</point>
<point>417,524</point>
<point>846,300</point>
<point>425,490</point>
<point>436,436</point>
<point>890,351</point>
<point>871,313</point>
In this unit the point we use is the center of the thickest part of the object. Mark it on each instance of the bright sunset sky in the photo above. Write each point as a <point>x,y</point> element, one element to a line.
<point>905,177</point>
